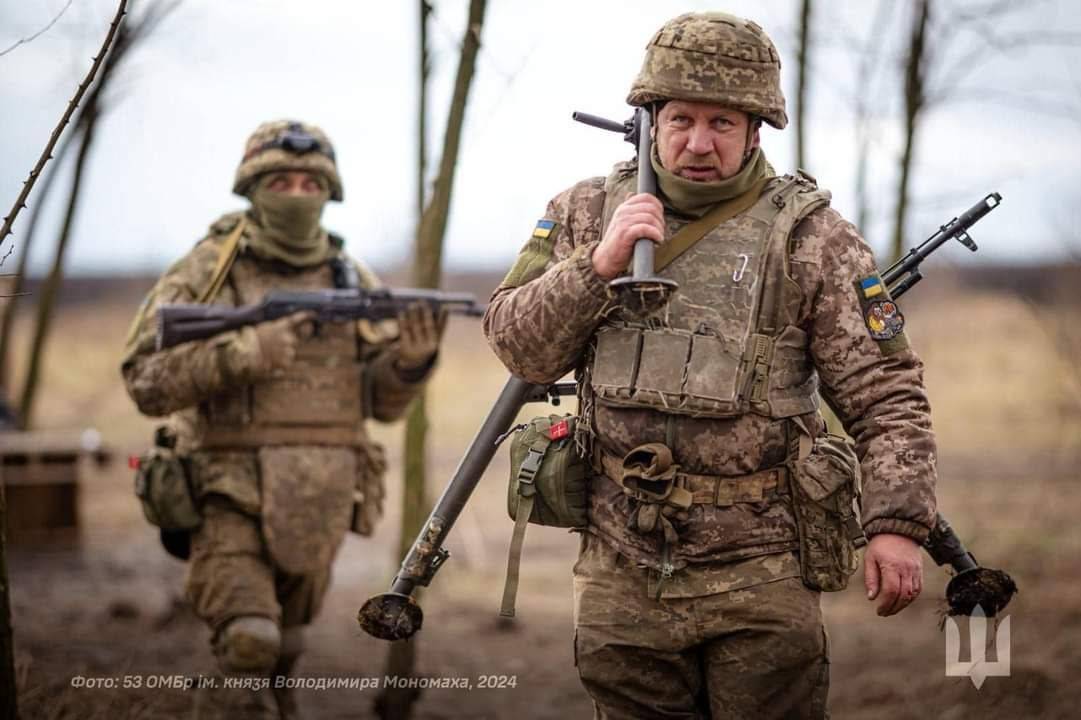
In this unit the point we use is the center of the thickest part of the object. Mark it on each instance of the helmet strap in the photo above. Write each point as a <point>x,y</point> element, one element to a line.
<point>753,124</point>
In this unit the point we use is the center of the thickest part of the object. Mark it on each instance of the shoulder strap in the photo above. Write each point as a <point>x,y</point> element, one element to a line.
<point>226,257</point>
<point>794,200</point>
<point>691,233</point>
<point>526,495</point>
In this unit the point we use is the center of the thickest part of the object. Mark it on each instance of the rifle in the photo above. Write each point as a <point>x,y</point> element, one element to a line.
<point>182,323</point>
<point>395,615</point>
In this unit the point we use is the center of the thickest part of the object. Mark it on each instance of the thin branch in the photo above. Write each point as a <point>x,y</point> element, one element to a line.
<point>46,154</point>
<point>39,33</point>
<point>1004,98</point>
<point>962,18</point>
<point>971,61</point>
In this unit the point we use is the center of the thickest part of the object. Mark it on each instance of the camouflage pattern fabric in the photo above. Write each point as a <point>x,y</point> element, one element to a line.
<point>748,643</point>
<point>307,503</point>
<point>263,153</point>
<point>543,327</point>
<point>713,57</point>
<point>231,574</point>
<point>222,387</point>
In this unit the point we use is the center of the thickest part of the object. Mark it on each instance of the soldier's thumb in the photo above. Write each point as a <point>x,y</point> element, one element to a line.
<point>872,576</point>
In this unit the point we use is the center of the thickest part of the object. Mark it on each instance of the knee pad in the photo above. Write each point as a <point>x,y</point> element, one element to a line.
<point>249,644</point>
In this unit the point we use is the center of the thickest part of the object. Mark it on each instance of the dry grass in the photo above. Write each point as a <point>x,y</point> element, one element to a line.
<point>1005,388</point>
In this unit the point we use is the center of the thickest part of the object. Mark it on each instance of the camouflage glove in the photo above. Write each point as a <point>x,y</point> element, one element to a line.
<point>421,330</point>
<point>276,343</point>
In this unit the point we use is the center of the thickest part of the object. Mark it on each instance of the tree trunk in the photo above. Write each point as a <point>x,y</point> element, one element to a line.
<point>865,79</point>
<point>914,104</point>
<point>51,288</point>
<point>801,84</point>
<point>8,704</point>
<point>7,318</point>
<point>396,703</point>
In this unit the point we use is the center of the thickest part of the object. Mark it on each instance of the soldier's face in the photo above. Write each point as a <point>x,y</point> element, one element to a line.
<point>296,182</point>
<point>703,141</point>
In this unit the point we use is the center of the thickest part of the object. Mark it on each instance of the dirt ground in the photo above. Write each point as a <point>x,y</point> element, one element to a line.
<point>1006,392</point>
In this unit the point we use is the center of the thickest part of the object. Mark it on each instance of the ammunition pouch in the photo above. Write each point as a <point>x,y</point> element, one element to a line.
<point>825,483</point>
<point>163,486</point>
<point>689,373</point>
<point>548,486</point>
<point>672,370</point>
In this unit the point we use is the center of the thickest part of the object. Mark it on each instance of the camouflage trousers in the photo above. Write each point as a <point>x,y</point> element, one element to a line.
<point>756,652</point>
<point>231,573</point>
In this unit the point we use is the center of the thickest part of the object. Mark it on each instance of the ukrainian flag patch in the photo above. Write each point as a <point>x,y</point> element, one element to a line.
<point>543,229</point>
<point>871,287</point>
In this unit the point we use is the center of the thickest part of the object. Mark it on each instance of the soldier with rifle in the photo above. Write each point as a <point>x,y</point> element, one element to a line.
<point>266,462</point>
<point>718,505</point>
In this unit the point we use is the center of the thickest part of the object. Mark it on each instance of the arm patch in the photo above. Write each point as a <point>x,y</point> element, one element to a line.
<point>883,319</point>
<point>534,255</point>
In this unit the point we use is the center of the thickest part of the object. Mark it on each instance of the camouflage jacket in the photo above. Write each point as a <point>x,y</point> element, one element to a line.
<point>189,380</point>
<point>543,318</point>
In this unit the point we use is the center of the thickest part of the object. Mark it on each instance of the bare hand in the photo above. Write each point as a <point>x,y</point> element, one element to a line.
<point>640,216</point>
<point>278,339</point>
<point>892,572</point>
<point>421,330</point>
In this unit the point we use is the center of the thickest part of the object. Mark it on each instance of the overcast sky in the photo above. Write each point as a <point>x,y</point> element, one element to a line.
<point>186,101</point>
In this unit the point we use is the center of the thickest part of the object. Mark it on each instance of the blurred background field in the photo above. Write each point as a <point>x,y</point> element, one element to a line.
<point>907,112</point>
<point>1001,347</point>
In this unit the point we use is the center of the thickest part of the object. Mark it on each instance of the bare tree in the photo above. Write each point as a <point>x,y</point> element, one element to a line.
<point>15,291</point>
<point>915,101</point>
<point>39,33</point>
<point>803,60</point>
<point>129,36</point>
<point>396,703</point>
<point>942,56</point>
<point>8,685</point>
<point>866,101</point>
<point>47,153</point>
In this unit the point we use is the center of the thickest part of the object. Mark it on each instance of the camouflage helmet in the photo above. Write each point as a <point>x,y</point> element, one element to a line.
<point>287,145</point>
<point>716,58</point>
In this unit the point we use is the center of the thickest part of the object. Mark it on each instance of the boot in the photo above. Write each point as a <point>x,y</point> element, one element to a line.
<point>247,648</point>
<point>285,697</point>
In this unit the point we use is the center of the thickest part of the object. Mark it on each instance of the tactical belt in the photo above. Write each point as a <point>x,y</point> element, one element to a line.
<point>218,438</point>
<point>718,490</point>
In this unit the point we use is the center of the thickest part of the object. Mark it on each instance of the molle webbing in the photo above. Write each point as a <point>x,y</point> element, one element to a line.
<point>716,490</point>
<point>790,209</point>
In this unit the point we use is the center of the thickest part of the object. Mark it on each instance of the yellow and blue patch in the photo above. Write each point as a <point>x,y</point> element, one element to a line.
<point>871,287</point>
<point>543,229</point>
<point>884,320</point>
<point>535,257</point>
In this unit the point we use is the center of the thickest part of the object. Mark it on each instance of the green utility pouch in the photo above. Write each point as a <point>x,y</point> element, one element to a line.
<point>163,486</point>
<point>547,474</point>
<point>547,487</point>
<point>825,484</point>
